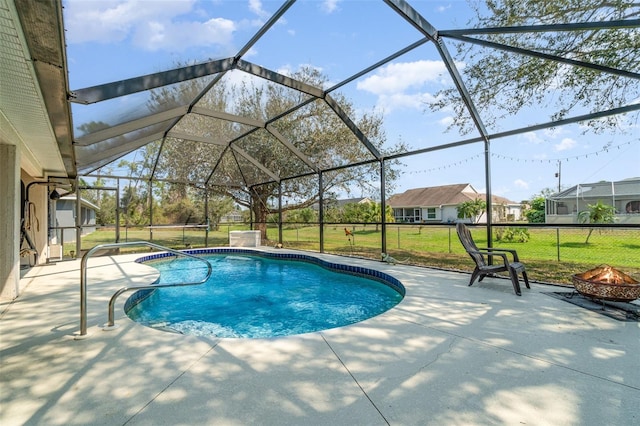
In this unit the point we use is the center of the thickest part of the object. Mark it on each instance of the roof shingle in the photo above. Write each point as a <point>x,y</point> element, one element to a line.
<point>434,196</point>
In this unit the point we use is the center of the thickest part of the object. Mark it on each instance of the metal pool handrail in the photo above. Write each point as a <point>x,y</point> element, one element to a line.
<point>83,279</point>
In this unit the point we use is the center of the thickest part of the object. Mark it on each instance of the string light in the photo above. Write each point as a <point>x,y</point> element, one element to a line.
<point>605,149</point>
<point>446,166</point>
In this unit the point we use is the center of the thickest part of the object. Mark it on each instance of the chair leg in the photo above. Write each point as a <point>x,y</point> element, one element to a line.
<point>526,279</point>
<point>515,281</point>
<point>474,275</point>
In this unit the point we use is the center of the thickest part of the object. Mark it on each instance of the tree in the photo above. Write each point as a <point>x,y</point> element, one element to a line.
<point>502,83</point>
<point>536,212</point>
<point>314,129</point>
<point>219,206</point>
<point>356,213</point>
<point>471,209</point>
<point>597,213</point>
<point>136,197</point>
<point>305,215</point>
<point>106,214</point>
<point>375,214</point>
<point>183,211</point>
<point>105,200</point>
<point>537,206</point>
<point>133,205</point>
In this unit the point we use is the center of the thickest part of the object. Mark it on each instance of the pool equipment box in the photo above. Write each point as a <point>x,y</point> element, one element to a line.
<point>244,239</point>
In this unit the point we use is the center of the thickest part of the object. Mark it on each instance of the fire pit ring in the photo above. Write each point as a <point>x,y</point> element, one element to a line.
<point>607,283</point>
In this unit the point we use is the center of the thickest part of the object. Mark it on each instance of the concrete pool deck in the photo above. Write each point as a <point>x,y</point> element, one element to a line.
<point>448,354</point>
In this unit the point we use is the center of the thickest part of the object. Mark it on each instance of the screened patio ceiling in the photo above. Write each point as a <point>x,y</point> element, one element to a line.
<point>179,110</point>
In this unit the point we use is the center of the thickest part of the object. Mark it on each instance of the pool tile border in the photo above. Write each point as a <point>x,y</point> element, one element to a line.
<point>360,271</point>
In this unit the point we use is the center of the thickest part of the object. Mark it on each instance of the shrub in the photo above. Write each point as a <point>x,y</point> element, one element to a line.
<point>512,235</point>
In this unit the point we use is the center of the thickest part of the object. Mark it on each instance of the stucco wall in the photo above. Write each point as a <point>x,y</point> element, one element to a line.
<point>9,221</point>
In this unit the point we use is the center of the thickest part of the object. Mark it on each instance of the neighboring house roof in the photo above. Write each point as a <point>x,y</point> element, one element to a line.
<point>343,202</point>
<point>441,195</point>
<point>434,196</point>
<point>496,199</point>
<point>627,187</point>
<point>84,202</point>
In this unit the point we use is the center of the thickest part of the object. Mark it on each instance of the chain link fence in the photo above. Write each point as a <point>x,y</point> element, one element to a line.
<point>550,253</point>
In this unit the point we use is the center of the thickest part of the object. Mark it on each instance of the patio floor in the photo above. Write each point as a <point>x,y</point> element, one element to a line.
<point>448,354</point>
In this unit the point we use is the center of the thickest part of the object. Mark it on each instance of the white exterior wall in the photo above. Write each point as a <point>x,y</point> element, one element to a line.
<point>516,211</point>
<point>449,214</point>
<point>424,214</point>
<point>9,222</point>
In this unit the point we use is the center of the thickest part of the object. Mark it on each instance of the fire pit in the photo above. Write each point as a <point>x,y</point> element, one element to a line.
<point>607,283</point>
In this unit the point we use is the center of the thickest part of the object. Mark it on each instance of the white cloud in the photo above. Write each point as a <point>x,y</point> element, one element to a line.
<point>565,144</point>
<point>405,84</point>
<point>446,121</point>
<point>533,138</point>
<point>255,6</point>
<point>154,25</point>
<point>109,21</point>
<point>167,35</point>
<point>555,132</point>
<point>519,183</point>
<point>398,77</point>
<point>390,102</point>
<point>330,6</point>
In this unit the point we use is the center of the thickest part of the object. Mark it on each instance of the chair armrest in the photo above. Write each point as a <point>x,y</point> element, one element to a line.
<point>488,252</point>
<point>513,252</point>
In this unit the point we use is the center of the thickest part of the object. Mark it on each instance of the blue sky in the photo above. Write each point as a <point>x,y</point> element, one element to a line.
<point>112,40</point>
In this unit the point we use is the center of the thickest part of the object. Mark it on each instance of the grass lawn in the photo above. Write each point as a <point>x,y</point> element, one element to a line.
<point>433,246</point>
<point>440,247</point>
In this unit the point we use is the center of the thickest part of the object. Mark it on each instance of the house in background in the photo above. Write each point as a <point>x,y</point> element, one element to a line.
<point>624,195</point>
<point>339,204</point>
<point>65,219</point>
<point>234,216</point>
<point>438,204</point>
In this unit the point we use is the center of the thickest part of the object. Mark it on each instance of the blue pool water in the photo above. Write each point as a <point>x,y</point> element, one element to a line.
<point>257,297</point>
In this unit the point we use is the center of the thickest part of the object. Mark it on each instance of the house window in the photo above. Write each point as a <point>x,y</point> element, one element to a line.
<point>431,213</point>
<point>632,207</point>
<point>562,208</point>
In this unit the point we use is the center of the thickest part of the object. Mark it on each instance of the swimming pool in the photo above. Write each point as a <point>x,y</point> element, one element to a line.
<point>254,294</point>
